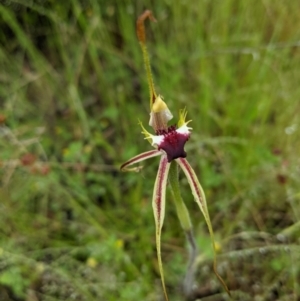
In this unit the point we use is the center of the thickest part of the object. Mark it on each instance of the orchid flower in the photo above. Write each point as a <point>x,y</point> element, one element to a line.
<point>168,143</point>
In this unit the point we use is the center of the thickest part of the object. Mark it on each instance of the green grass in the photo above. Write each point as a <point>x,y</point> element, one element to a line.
<point>72,88</point>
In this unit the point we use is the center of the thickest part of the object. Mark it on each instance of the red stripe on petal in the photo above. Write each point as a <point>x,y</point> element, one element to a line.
<point>140,157</point>
<point>159,192</point>
<point>160,185</point>
<point>199,196</point>
<point>158,204</point>
<point>195,185</point>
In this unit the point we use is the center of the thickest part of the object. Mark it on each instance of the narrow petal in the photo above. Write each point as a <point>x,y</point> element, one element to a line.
<point>159,203</point>
<point>200,199</point>
<point>139,158</point>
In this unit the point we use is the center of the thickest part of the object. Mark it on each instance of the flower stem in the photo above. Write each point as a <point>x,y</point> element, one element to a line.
<point>181,209</point>
<point>140,30</point>
<point>186,224</point>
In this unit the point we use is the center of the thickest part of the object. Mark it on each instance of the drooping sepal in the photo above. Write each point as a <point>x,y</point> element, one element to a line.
<point>158,204</point>
<point>139,158</point>
<point>200,199</point>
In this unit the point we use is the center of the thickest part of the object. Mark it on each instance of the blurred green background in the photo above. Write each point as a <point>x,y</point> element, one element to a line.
<point>72,88</point>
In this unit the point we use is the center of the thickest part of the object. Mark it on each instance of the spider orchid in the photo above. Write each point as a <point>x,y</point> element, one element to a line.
<point>168,143</point>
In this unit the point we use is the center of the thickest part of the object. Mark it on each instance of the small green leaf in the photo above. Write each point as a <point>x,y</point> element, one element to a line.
<point>13,278</point>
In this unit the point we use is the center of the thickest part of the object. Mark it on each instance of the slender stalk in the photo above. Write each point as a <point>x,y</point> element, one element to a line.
<point>181,209</point>
<point>191,269</point>
<point>140,30</point>
<point>186,224</point>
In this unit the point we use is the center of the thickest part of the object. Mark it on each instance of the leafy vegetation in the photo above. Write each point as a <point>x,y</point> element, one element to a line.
<point>72,90</point>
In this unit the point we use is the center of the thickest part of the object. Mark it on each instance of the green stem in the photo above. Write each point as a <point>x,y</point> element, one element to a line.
<point>153,94</point>
<point>181,209</point>
<point>186,224</point>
